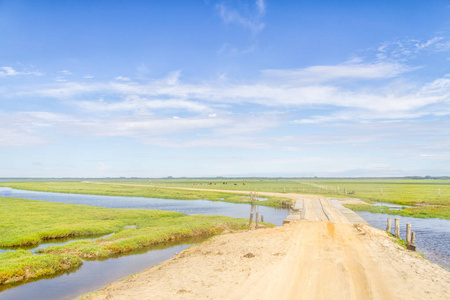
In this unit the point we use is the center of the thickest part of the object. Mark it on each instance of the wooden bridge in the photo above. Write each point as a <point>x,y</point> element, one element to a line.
<point>323,210</point>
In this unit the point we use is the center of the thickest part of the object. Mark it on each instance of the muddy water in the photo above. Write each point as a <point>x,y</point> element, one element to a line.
<point>432,235</point>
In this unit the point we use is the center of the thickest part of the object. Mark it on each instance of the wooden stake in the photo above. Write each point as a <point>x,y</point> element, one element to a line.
<point>256,221</point>
<point>413,238</point>
<point>389,225</point>
<point>408,233</point>
<point>397,228</point>
<point>250,222</point>
<point>262,218</point>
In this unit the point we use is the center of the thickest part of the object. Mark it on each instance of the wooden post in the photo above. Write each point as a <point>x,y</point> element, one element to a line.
<point>389,225</point>
<point>397,228</point>
<point>250,222</point>
<point>408,233</point>
<point>413,238</point>
<point>262,218</point>
<point>256,221</point>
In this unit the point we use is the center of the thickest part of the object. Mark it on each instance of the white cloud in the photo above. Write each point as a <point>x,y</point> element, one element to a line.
<point>232,16</point>
<point>122,78</point>
<point>144,126</point>
<point>261,6</point>
<point>403,50</point>
<point>135,103</point>
<point>9,71</point>
<point>173,77</point>
<point>347,90</point>
<point>358,71</point>
<point>26,129</point>
<point>427,44</point>
<point>66,72</point>
<point>88,76</point>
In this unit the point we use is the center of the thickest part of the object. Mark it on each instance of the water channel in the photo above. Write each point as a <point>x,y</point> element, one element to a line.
<point>93,275</point>
<point>432,235</point>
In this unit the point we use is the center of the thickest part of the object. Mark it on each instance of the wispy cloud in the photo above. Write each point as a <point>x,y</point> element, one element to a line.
<point>122,78</point>
<point>316,86</point>
<point>261,6</point>
<point>140,104</point>
<point>359,71</point>
<point>403,50</point>
<point>9,71</point>
<point>65,72</point>
<point>249,19</point>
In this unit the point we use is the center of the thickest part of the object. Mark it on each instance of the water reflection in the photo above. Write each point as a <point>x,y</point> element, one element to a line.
<point>92,275</point>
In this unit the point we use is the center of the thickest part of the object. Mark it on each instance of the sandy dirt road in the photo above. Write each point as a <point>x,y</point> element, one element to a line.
<point>309,259</point>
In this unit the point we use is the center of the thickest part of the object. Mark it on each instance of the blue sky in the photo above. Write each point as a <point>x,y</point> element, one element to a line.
<point>224,88</point>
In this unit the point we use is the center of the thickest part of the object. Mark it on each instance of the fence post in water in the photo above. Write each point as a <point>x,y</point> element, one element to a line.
<point>397,228</point>
<point>262,218</point>
<point>408,233</point>
<point>389,225</point>
<point>256,221</point>
<point>250,222</point>
<point>413,238</point>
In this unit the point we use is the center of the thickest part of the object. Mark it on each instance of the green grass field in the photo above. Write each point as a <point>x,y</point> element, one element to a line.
<point>29,222</point>
<point>430,198</point>
<point>398,191</point>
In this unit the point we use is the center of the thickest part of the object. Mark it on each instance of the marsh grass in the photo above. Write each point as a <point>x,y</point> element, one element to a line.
<point>442,212</point>
<point>23,265</point>
<point>30,222</point>
<point>121,189</point>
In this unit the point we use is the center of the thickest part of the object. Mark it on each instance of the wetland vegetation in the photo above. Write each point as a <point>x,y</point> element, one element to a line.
<point>139,189</point>
<point>29,222</point>
<point>429,198</point>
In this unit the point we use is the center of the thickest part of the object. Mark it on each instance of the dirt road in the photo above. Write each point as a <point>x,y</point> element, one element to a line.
<point>312,259</point>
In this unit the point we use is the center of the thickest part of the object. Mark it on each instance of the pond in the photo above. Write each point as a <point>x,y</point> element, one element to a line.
<point>190,207</point>
<point>432,235</point>
<point>94,275</point>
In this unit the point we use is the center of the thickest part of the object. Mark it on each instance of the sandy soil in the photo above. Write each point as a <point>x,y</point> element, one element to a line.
<point>301,260</point>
